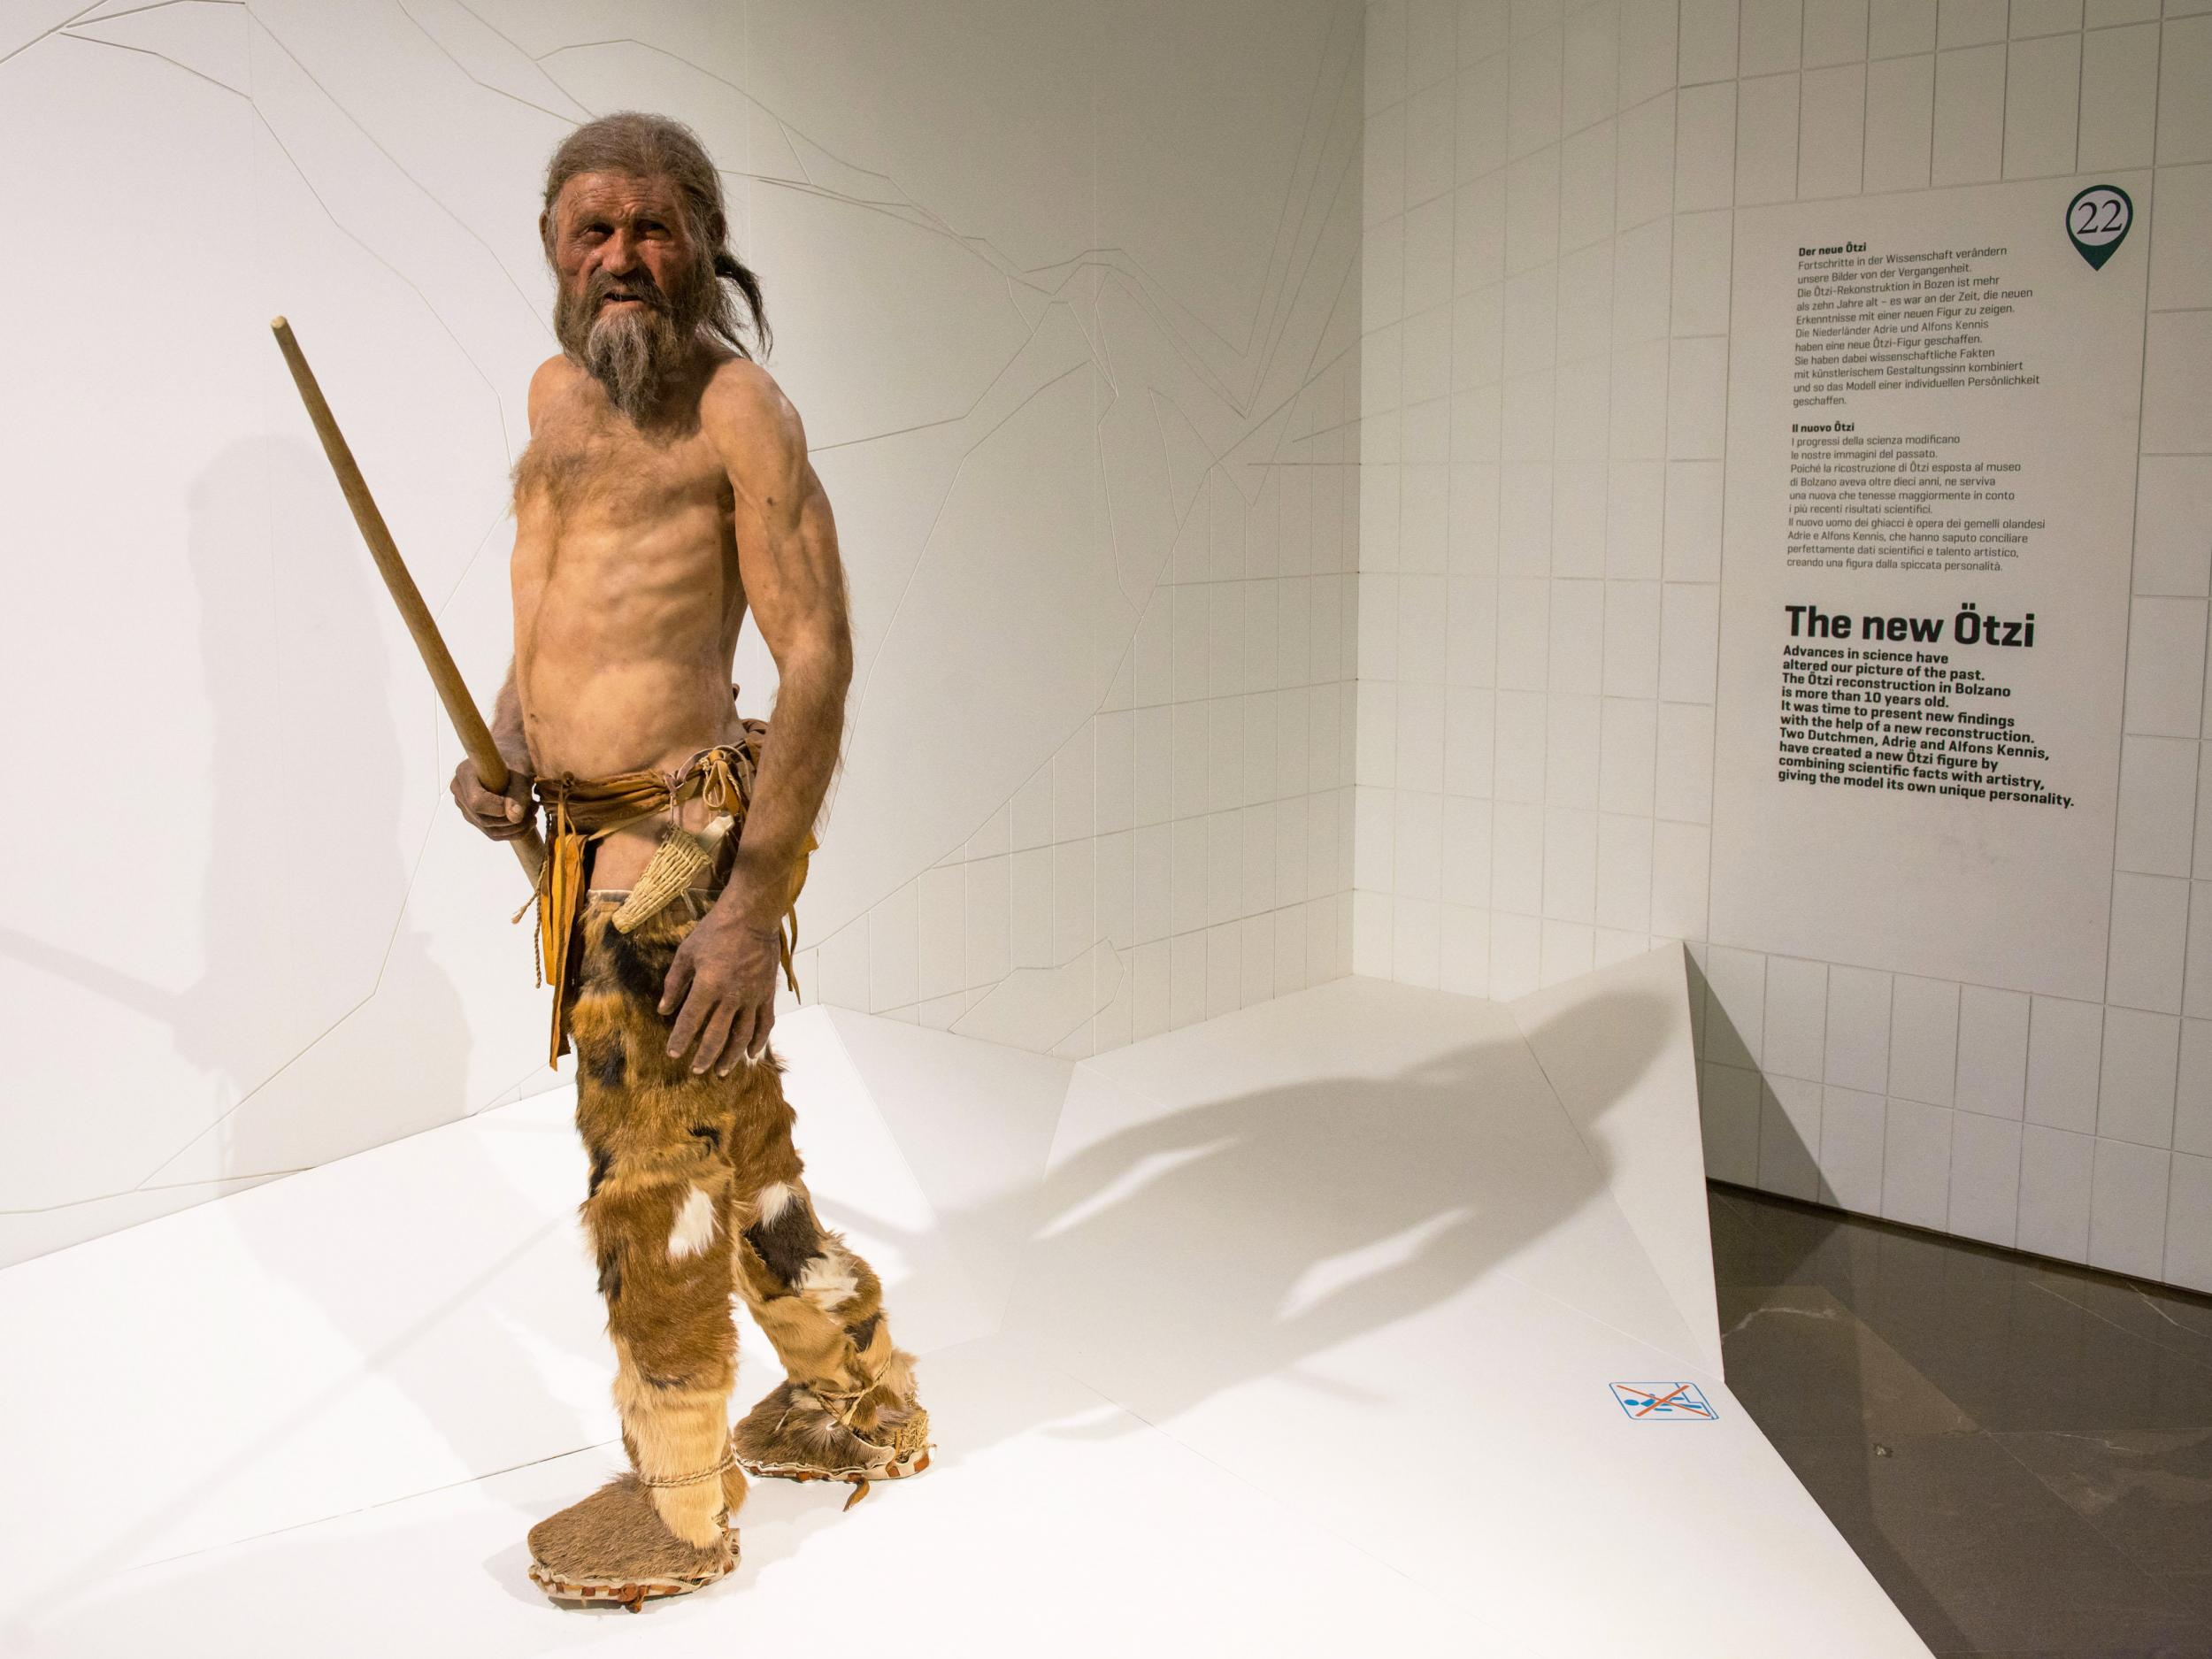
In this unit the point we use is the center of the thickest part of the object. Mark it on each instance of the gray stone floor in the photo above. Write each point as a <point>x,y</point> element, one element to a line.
<point>2021,1452</point>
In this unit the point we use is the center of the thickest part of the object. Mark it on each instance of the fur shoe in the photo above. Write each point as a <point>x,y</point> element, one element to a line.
<point>792,1434</point>
<point>613,1547</point>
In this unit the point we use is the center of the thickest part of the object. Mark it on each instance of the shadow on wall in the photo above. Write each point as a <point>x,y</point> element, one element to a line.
<point>304,757</point>
<point>304,791</point>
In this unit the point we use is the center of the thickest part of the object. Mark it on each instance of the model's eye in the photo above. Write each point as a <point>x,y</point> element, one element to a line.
<point>651,227</point>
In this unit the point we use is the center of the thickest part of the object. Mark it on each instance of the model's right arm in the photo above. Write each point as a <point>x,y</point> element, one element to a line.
<point>504,814</point>
<point>507,734</point>
<point>501,814</point>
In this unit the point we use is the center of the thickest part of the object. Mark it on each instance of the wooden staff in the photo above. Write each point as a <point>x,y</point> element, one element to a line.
<point>468,724</point>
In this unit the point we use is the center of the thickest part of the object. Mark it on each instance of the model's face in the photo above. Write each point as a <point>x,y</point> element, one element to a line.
<point>634,285</point>
<point>617,240</point>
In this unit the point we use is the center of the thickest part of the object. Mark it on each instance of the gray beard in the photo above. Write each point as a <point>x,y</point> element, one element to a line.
<point>633,356</point>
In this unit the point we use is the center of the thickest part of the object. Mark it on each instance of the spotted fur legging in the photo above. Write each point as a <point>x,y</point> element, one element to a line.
<point>695,1188</point>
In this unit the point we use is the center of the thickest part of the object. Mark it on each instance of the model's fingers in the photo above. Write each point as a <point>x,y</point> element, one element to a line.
<point>676,984</point>
<point>716,1037</point>
<point>758,1047</point>
<point>742,1039</point>
<point>698,1003</point>
<point>493,814</point>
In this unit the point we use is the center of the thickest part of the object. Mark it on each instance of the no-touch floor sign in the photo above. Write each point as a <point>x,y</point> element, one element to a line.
<point>1664,1402</point>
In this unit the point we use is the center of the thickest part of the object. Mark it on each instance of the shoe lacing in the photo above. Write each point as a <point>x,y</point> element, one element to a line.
<point>729,1459</point>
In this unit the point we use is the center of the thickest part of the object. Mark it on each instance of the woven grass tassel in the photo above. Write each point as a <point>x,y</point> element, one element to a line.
<point>680,860</point>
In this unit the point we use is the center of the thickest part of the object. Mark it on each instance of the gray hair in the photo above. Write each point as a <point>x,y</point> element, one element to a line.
<point>653,146</point>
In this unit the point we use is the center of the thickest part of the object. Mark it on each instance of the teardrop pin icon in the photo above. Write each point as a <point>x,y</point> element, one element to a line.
<point>2097,222</point>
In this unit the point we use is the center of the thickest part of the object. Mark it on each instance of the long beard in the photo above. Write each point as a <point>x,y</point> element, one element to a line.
<point>635,353</point>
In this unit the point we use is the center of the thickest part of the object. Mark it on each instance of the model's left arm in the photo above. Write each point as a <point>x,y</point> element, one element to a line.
<point>724,977</point>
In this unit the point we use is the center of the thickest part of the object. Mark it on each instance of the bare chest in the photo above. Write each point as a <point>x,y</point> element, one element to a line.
<point>586,475</point>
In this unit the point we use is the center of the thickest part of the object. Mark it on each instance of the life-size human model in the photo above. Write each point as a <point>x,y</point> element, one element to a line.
<point>665,489</point>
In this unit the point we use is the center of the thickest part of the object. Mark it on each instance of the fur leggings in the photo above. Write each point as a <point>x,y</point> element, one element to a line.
<point>696,1190</point>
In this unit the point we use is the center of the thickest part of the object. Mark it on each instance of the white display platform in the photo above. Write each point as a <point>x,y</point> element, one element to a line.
<point>1292,1332</point>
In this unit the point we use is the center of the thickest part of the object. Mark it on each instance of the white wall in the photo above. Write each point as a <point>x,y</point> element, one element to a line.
<point>1548,201</point>
<point>1069,299</point>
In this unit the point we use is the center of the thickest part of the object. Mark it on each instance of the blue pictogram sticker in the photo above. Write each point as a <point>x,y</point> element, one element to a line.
<point>1664,1401</point>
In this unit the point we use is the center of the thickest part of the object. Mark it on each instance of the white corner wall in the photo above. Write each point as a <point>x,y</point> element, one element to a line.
<point>1548,201</point>
<point>1068,297</point>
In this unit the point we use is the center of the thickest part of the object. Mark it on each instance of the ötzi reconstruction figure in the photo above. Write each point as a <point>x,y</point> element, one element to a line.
<point>666,487</point>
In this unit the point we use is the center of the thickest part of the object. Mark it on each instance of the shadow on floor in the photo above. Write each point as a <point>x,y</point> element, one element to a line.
<point>1190,1251</point>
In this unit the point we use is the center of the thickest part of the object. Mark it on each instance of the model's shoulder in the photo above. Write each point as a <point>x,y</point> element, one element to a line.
<point>743,403</point>
<point>554,379</point>
<point>735,376</point>
<point>754,429</point>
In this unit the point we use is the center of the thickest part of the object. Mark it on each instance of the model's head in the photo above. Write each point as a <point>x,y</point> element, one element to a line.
<point>634,229</point>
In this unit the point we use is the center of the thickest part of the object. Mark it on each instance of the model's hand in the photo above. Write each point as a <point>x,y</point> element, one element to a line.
<point>502,814</point>
<point>724,982</point>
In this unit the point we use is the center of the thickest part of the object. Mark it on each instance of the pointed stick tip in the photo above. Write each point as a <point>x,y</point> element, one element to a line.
<point>278,323</point>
